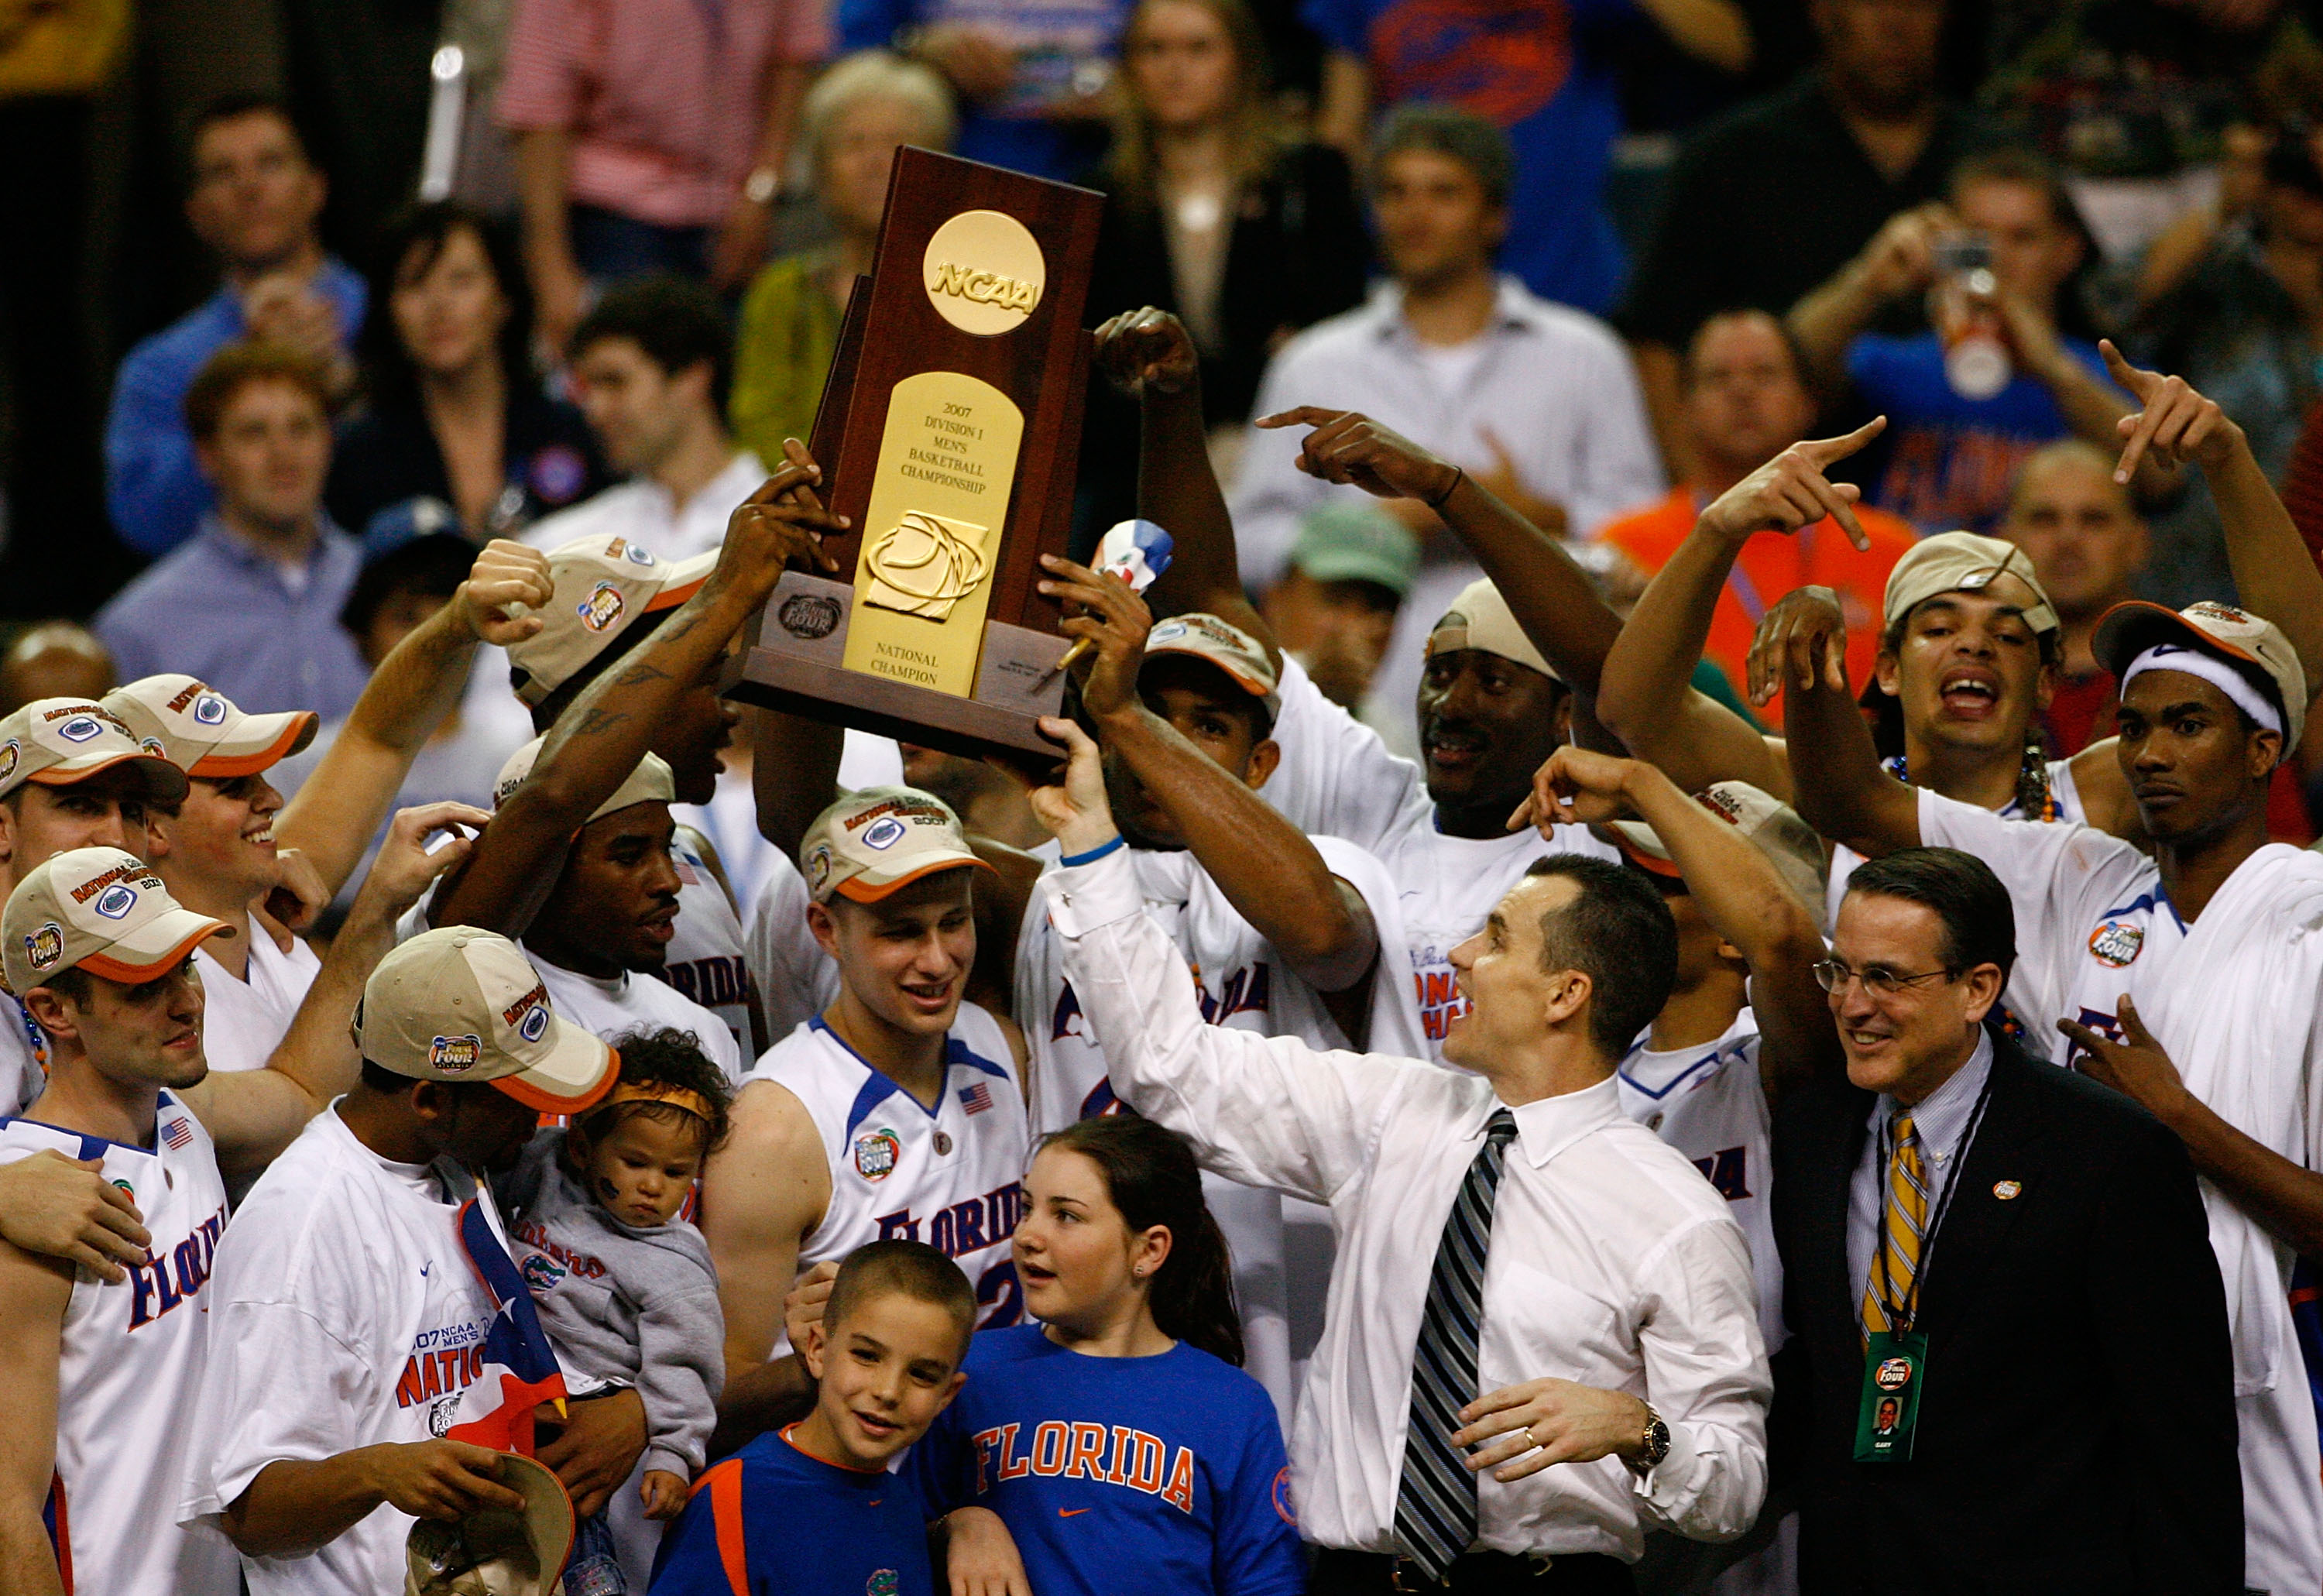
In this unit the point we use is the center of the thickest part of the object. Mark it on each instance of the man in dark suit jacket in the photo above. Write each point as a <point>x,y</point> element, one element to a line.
<point>2076,1426</point>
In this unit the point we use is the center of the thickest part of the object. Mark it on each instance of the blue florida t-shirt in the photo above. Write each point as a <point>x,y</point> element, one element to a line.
<point>1160,1476</point>
<point>806,1527</point>
<point>1952,461</point>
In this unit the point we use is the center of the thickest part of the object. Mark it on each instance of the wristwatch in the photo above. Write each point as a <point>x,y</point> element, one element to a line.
<point>762,185</point>
<point>1655,1443</point>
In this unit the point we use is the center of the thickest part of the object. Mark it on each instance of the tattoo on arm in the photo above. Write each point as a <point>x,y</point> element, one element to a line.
<point>639,672</point>
<point>595,720</point>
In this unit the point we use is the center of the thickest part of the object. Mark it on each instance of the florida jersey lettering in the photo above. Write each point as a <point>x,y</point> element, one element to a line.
<point>1115,1454</point>
<point>161,1284</point>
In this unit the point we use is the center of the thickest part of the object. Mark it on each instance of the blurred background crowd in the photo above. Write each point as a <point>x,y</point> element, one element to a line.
<point>300,299</point>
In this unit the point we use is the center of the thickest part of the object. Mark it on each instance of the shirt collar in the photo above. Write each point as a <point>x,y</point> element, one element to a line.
<point>1548,1125</point>
<point>1942,1115</point>
<point>1513,309</point>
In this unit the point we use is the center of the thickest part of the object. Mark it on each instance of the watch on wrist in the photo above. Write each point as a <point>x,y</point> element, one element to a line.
<point>762,185</point>
<point>1655,1446</point>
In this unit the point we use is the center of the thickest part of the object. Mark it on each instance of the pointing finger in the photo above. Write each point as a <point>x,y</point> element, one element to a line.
<point>1301,416</point>
<point>2130,379</point>
<point>1823,451</point>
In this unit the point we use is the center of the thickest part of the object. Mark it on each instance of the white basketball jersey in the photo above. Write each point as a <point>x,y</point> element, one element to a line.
<point>951,1176</point>
<point>1710,1104</point>
<point>706,960</point>
<point>132,1360</point>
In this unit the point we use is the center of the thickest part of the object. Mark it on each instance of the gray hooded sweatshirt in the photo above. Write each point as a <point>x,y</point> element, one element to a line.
<point>623,1304</point>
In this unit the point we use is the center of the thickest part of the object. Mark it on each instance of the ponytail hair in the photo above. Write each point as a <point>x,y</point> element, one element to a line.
<point>1151,1175</point>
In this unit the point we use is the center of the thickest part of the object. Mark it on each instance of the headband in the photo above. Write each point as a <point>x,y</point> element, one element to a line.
<point>654,1091</point>
<point>2217,673</point>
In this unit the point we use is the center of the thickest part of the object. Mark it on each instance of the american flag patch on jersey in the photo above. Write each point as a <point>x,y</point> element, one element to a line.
<point>175,1133</point>
<point>977,1098</point>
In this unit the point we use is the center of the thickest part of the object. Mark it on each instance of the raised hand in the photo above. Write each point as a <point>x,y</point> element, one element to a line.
<point>1348,446</point>
<point>1576,787</point>
<point>1115,620</point>
<point>505,574</point>
<point>780,524</point>
<point>1805,632</point>
<point>1075,810</point>
<point>2173,423</point>
<point>404,866</point>
<point>1148,348</point>
<point>1791,491</point>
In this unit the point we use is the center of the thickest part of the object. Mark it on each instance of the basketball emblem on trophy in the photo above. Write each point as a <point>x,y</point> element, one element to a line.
<point>926,563</point>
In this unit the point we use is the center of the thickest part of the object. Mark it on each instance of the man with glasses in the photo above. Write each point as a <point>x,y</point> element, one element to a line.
<point>2014,1256</point>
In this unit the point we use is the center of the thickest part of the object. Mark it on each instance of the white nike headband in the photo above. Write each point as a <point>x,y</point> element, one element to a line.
<point>2217,673</point>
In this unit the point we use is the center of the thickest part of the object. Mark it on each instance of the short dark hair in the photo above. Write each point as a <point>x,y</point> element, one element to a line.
<point>1448,130</point>
<point>233,107</point>
<point>1792,347</point>
<point>379,1077</point>
<point>1979,922</point>
<point>238,365</point>
<point>433,564</point>
<point>911,1268</point>
<point>1619,932</point>
<point>678,323</point>
<point>665,1057</point>
<point>421,232</point>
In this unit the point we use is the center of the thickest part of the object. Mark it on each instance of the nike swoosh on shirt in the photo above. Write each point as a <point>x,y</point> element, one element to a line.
<point>1069,1512</point>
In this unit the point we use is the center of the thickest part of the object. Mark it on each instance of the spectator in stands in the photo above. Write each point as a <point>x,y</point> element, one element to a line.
<point>252,604</point>
<point>1033,80</point>
<point>457,413</point>
<point>650,136</point>
<point>2088,544</point>
<point>2000,269</point>
<point>1335,608</point>
<point>1544,72</point>
<point>1747,401</point>
<point>1770,201</point>
<point>54,659</point>
<point>650,365</point>
<point>857,116</point>
<point>1537,402</point>
<point>254,199</point>
<point>1215,213</point>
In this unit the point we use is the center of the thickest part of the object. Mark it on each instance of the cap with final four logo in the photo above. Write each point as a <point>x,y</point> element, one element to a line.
<point>874,841</point>
<point>602,586</point>
<point>59,741</point>
<point>457,1004</point>
<point>98,909</point>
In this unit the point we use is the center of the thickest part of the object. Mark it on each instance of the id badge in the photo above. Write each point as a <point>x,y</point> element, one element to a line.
<point>1895,1368</point>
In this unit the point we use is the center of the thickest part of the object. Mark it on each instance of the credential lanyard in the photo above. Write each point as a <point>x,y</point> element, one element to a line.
<point>1911,1306</point>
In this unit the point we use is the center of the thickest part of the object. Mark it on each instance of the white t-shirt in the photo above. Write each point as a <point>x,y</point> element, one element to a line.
<point>130,1367</point>
<point>243,1022</point>
<point>23,1058</point>
<point>704,963</point>
<point>1709,1102</point>
<point>796,979</point>
<point>951,1176</point>
<point>344,1314</point>
<point>633,1002</point>
<point>2062,788</point>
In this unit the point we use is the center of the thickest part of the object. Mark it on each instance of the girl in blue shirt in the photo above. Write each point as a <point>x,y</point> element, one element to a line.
<point>1117,1441</point>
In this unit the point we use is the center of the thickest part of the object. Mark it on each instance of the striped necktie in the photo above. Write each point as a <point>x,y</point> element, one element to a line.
<point>1903,1227</point>
<point>1436,1502</point>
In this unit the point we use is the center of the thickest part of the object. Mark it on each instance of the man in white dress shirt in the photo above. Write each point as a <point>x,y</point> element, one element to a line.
<point>1588,1323</point>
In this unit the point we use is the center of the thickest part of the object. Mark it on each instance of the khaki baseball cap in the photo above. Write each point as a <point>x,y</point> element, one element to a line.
<point>500,1551</point>
<point>58,741</point>
<point>100,909</point>
<point>199,730</point>
<point>457,1004</point>
<point>2219,630</point>
<point>1229,647</point>
<point>603,586</point>
<point>1961,561</point>
<point>651,782</point>
<point>871,842</point>
<point>1481,619</point>
<point>1773,827</point>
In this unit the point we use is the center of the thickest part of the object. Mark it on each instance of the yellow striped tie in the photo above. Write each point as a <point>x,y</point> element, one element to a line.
<point>1904,1223</point>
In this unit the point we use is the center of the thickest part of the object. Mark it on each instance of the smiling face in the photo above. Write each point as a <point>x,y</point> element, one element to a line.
<point>1909,1042</point>
<point>1966,671</point>
<point>145,1035</point>
<point>883,1369</point>
<point>641,1168</point>
<point>1487,724</point>
<point>447,304</point>
<point>1511,999</point>
<point>222,840</point>
<point>2197,766</point>
<point>1207,710</point>
<point>905,959</point>
<point>614,906</point>
<point>1076,1256</point>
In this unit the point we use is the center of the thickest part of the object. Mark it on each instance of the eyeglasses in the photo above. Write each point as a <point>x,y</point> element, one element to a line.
<point>1879,981</point>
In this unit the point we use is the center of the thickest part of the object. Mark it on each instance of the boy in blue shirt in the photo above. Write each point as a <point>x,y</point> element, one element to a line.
<point>812,1509</point>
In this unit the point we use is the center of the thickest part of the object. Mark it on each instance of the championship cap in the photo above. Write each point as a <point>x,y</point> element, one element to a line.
<point>498,1552</point>
<point>2255,656</point>
<point>1229,647</point>
<point>100,909</point>
<point>1961,561</point>
<point>1480,618</point>
<point>58,741</point>
<point>200,731</point>
<point>603,586</point>
<point>458,1003</point>
<point>871,842</point>
<point>1344,541</point>
<point>1773,827</point>
<point>651,782</point>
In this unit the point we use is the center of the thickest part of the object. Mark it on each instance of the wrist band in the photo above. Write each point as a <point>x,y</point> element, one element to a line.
<point>1459,476</point>
<point>1094,854</point>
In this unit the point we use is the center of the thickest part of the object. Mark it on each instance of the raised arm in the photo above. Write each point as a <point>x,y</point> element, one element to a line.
<point>599,740</point>
<point>338,808</point>
<point>1899,260</point>
<point>1736,887</point>
<point>1838,785</point>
